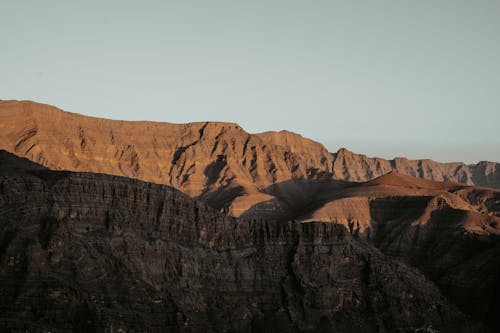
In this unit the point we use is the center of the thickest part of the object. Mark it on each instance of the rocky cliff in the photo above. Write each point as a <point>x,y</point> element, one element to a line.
<point>92,252</point>
<point>449,231</point>
<point>357,167</point>
<point>219,163</point>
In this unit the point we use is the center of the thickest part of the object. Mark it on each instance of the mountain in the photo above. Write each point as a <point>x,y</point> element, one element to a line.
<point>449,231</point>
<point>316,231</point>
<point>92,252</point>
<point>216,162</point>
<point>357,167</point>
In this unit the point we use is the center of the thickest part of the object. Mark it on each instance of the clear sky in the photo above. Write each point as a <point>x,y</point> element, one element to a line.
<point>416,78</point>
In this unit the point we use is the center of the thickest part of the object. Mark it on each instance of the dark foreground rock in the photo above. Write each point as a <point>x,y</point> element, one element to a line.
<point>88,252</point>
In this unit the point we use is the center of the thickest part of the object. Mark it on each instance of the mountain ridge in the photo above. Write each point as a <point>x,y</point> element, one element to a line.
<point>283,187</point>
<point>216,162</point>
<point>93,252</point>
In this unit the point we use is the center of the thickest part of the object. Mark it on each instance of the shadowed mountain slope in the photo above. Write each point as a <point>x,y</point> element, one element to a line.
<point>92,252</point>
<point>219,163</point>
<point>451,232</point>
<point>448,230</point>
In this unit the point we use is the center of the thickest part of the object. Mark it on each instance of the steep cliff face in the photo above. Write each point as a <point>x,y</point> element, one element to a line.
<point>91,252</point>
<point>217,162</point>
<point>449,231</point>
<point>456,248</point>
<point>357,167</point>
<point>486,174</point>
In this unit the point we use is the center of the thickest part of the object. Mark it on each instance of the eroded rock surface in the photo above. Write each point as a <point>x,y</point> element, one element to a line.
<point>219,163</point>
<point>449,231</point>
<point>91,252</point>
<point>125,232</point>
<point>357,167</point>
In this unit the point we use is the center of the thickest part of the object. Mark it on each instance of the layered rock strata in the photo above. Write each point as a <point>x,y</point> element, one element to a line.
<point>90,252</point>
<point>219,163</point>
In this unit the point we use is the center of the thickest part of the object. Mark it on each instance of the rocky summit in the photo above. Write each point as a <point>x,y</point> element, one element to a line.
<point>114,226</point>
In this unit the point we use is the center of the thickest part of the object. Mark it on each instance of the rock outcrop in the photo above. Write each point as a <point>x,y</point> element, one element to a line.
<point>218,163</point>
<point>357,167</point>
<point>67,238</point>
<point>93,252</point>
<point>449,231</point>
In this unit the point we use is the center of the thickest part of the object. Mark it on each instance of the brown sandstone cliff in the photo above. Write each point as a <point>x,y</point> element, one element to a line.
<point>357,167</point>
<point>90,252</point>
<point>217,162</point>
<point>449,231</point>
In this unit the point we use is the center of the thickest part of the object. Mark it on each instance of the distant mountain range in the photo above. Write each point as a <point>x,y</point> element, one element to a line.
<point>210,228</point>
<point>216,162</point>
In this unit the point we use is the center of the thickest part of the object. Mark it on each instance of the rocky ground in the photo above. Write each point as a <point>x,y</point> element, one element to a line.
<point>205,227</point>
<point>91,252</point>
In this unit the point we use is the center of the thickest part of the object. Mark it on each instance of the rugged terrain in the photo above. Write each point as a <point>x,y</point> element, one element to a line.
<point>449,231</point>
<point>219,163</point>
<point>92,252</point>
<point>323,241</point>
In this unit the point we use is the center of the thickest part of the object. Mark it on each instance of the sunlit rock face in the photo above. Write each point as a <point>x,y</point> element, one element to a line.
<point>220,163</point>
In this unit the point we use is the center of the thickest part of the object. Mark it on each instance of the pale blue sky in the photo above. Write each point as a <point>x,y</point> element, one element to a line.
<point>383,78</point>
